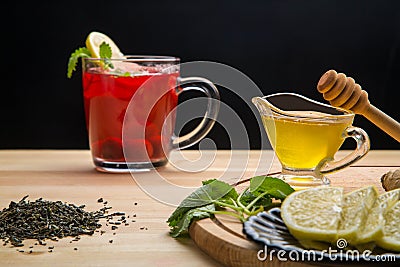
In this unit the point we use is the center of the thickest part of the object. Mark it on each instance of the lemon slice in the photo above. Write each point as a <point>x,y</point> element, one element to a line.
<point>355,208</point>
<point>391,229</point>
<point>373,227</point>
<point>95,39</point>
<point>313,214</point>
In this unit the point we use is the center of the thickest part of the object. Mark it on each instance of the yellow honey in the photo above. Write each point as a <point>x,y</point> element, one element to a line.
<point>305,140</point>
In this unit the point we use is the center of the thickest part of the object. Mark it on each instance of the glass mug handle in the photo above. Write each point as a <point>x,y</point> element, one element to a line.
<point>213,104</point>
<point>361,150</point>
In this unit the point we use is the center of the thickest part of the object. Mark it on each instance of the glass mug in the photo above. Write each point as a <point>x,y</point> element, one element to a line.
<point>305,136</point>
<point>130,108</point>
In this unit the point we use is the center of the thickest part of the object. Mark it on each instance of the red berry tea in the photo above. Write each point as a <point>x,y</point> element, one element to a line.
<point>147,128</point>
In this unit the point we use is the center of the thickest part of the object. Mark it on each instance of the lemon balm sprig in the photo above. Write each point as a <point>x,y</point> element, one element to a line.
<point>81,52</point>
<point>105,52</point>
<point>98,45</point>
<point>218,197</point>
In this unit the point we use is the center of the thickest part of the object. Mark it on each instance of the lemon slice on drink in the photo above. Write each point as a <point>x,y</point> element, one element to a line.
<point>95,39</point>
<point>373,227</point>
<point>391,229</point>
<point>355,209</point>
<point>313,214</point>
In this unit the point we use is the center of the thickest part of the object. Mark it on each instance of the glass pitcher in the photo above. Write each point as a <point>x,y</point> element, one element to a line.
<point>306,135</point>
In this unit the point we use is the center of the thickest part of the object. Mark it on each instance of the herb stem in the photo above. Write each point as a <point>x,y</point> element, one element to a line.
<point>245,209</point>
<point>254,212</point>
<point>240,217</point>
<point>233,201</point>
<point>256,199</point>
<point>223,204</point>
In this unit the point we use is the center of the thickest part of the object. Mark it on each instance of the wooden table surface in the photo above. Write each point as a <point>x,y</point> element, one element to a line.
<point>69,176</point>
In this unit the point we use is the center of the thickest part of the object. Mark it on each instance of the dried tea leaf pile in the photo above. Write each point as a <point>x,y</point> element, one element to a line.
<point>43,219</point>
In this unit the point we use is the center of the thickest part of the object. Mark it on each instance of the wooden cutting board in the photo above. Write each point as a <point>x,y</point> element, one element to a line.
<point>222,237</point>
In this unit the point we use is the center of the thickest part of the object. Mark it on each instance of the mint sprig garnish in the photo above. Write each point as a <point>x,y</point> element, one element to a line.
<point>218,197</point>
<point>105,52</point>
<point>73,59</point>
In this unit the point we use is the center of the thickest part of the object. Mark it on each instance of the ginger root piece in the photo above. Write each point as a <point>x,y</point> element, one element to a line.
<point>391,180</point>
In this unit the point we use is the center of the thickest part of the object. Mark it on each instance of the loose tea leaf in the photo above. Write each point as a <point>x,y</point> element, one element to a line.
<point>42,219</point>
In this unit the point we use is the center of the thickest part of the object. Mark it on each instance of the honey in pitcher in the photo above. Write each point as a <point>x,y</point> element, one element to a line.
<point>306,139</point>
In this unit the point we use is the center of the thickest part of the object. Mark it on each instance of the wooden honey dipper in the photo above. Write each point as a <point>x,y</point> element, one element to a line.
<point>344,92</point>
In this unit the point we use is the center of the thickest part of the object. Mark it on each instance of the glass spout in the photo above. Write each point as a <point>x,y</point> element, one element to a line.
<point>262,105</point>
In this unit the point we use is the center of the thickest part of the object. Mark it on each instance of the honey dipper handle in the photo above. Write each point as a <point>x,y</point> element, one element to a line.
<point>383,121</point>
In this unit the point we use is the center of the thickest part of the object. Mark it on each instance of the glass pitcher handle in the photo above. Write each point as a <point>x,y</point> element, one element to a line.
<point>362,149</point>
<point>213,104</point>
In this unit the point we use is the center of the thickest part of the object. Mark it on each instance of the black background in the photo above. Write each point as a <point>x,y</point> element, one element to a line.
<point>281,45</point>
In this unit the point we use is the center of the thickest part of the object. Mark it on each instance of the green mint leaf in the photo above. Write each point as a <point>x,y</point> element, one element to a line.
<point>232,194</point>
<point>274,187</point>
<point>105,50</point>
<point>208,181</point>
<point>230,197</point>
<point>214,195</point>
<point>106,53</point>
<point>177,215</point>
<point>204,195</point>
<point>248,197</point>
<point>190,216</point>
<point>73,59</point>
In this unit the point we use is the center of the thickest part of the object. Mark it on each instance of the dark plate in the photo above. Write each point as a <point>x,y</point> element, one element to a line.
<point>268,229</point>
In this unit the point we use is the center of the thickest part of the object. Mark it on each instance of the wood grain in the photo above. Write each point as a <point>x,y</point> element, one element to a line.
<point>223,236</point>
<point>69,176</point>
